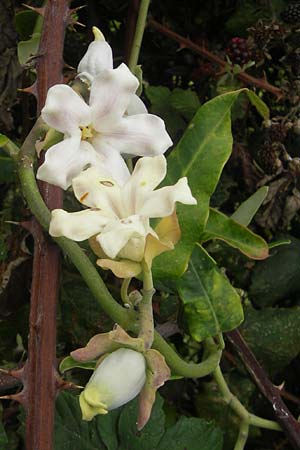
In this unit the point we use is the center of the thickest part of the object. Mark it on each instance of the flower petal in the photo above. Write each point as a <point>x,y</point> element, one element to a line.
<point>136,106</point>
<point>117,234</point>
<point>96,188</point>
<point>161,203</point>
<point>112,160</point>
<point>121,269</point>
<point>65,160</point>
<point>65,110</point>
<point>77,226</point>
<point>111,93</point>
<point>117,380</point>
<point>141,134</point>
<point>148,173</point>
<point>98,57</point>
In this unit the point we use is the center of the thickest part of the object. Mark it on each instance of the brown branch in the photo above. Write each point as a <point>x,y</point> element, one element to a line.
<point>284,417</point>
<point>185,42</point>
<point>40,383</point>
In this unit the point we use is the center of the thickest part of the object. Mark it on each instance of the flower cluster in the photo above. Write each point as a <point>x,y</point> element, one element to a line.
<point>111,121</point>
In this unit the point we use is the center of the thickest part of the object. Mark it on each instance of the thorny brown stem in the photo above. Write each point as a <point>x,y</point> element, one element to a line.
<point>284,417</point>
<point>185,42</point>
<point>40,377</point>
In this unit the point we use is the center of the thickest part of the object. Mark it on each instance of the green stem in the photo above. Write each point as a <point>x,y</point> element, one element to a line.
<point>240,409</point>
<point>124,291</point>
<point>138,36</point>
<point>242,436</point>
<point>125,318</point>
<point>146,311</point>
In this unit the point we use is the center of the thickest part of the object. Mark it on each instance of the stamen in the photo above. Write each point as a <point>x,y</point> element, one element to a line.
<point>107,183</point>
<point>83,197</point>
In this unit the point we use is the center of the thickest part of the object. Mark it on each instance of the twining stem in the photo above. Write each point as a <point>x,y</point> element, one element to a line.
<point>146,311</point>
<point>242,436</point>
<point>126,318</point>
<point>283,416</point>
<point>124,291</point>
<point>139,33</point>
<point>247,418</point>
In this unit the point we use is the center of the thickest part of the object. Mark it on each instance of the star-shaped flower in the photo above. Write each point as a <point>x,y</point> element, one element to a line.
<point>96,134</point>
<point>118,216</point>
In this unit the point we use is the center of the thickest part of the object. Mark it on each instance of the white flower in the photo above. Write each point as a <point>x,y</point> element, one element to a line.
<point>117,380</point>
<point>99,57</point>
<point>119,215</point>
<point>97,134</point>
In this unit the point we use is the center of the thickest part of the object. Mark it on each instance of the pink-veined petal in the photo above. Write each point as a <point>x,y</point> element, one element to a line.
<point>98,57</point>
<point>111,94</point>
<point>117,234</point>
<point>161,203</point>
<point>136,106</point>
<point>65,110</point>
<point>141,134</point>
<point>77,226</point>
<point>148,173</point>
<point>97,189</point>
<point>65,160</point>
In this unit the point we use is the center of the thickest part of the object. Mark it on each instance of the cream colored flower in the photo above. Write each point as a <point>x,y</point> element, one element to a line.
<point>118,216</point>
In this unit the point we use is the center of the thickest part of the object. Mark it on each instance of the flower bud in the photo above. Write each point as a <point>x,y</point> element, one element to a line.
<point>117,380</point>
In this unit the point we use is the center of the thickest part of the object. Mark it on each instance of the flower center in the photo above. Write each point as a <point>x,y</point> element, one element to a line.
<point>87,132</point>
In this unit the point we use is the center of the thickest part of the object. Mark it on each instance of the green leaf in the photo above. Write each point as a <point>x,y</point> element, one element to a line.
<point>80,316</point>
<point>211,304</point>
<point>274,335</point>
<point>247,210</point>
<point>72,433</point>
<point>200,155</point>
<point>3,140</point>
<point>7,169</point>
<point>277,278</point>
<point>117,430</point>
<point>27,49</point>
<point>193,434</point>
<point>3,436</point>
<point>222,227</point>
<point>69,363</point>
<point>259,104</point>
<point>185,101</point>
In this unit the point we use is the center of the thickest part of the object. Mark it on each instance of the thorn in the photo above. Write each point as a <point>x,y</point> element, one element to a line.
<point>72,22</point>
<point>15,373</point>
<point>67,66</point>
<point>20,397</point>
<point>30,90</point>
<point>280,386</point>
<point>40,11</point>
<point>74,10</point>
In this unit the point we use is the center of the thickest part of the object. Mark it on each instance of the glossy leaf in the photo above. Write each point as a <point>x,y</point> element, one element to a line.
<point>117,430</point>
<point>277,278</point>
<point>69,363</point>
<point>200,155</point>
<point>211,304</point>
<point>274,335</point>
<point>247,210</point>
<point>193,434</point>
<point>3,140</point>
<point>222,227</point>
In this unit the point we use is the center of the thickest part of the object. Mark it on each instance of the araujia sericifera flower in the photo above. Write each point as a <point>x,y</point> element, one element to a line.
<point>119,215</point>
<point>99,57</point>
<point>96,134</point>
<point>118,379</point>
<point>121,374</point>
